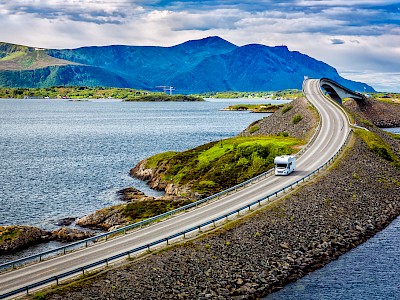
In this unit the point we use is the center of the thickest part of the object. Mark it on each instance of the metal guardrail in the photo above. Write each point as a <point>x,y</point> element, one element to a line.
<point>167,239</point>
<point>86,242</point>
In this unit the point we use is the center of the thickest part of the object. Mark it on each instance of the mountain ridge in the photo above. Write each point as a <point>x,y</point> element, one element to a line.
<point>195,66</point>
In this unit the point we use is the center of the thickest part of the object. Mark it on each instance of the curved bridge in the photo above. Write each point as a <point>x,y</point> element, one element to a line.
<point>337,91</point>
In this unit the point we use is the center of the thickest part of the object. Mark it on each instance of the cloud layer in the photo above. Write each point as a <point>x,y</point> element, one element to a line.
<point>356,37</point>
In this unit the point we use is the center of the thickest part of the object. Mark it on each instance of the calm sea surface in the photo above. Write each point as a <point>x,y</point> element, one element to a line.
<point>67,159</point>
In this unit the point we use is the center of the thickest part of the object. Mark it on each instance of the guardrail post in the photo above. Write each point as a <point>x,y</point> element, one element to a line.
<point>86,244</point>
<point>64,250</point>
<point>107,262</point>
<point>83,270</point>
<point>167,241</point>
<point>57,280</point>
<point>40,257</point>
<point>199,228</point>
<point>259,203</point>
<point>27,291</point>
<point>184,235</point>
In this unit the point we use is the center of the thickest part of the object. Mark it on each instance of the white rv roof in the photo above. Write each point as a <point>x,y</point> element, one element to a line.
<point>283,159</point>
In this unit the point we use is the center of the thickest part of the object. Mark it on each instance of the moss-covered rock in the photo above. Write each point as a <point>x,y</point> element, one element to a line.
<point>13,238</point>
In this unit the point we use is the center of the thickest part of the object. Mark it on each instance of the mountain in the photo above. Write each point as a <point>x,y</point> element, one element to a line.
<point>209,64</point>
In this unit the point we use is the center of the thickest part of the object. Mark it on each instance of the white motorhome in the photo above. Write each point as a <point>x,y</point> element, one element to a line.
<point>285,164</point>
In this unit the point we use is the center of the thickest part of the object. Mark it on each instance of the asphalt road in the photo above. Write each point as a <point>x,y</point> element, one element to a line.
<point>331,137</point>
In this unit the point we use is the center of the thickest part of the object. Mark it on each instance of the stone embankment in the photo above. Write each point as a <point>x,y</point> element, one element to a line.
<point>281,122</point>
<point>259,254</point>
<point>381,114</point>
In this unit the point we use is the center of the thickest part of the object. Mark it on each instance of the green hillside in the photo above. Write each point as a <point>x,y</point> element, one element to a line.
<point>21,58</point>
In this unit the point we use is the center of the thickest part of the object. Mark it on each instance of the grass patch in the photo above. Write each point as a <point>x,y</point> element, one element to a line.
<point>378,146</point>
<point>140,210</point>
<point>286,109</point>
<point>8,233</point>
<point>13,55</point>
<point>154,160</point>
<point>297,118</point>
<point>254,128</point>
<point>366,122</point>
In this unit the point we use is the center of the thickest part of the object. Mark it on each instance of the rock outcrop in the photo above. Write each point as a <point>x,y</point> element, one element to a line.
<point>14,238</point>
<point>104,219</point>
<point>66,234</point>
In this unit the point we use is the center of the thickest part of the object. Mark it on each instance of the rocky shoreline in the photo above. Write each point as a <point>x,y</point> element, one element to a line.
<point>259,254</point>
<point>15,238</point>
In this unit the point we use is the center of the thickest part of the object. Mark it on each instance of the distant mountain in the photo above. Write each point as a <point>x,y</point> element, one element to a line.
<point>209,64</point>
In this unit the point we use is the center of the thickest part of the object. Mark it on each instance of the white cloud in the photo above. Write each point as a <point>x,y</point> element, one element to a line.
<point>365,38</point>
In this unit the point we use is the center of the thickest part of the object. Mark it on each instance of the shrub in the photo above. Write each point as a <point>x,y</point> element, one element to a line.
<point>286,109</point>
<point>297,118</point>
<point>254,128</point>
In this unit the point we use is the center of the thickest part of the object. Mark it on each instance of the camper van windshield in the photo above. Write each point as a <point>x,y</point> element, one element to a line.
<point>281,165</point>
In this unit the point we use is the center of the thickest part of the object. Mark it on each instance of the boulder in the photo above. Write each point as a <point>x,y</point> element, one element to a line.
<point>66,234</point>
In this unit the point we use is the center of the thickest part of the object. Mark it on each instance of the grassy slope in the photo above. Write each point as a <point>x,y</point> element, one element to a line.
<point>19,58</point>
<point>219,165</point>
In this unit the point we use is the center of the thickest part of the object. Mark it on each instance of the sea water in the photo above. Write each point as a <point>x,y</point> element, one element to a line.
<point>62,158</point>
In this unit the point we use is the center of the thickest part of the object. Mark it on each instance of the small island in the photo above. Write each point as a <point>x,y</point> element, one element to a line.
<point>255,108</point>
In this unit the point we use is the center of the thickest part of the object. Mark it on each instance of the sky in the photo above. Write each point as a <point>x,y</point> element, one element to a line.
<point>360,38</point>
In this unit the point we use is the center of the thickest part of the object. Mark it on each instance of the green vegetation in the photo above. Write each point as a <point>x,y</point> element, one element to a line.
<point>140,210</point>
<point>8,233</point>
<point>219,165</point>
<point>297,118</point>
<point>366,122</point>
<point>392,98</point>
<point>254,128</point>
<point>164,97</point>
<point>286,109</point>
<point>262,108</point>
<point>378,146</point>
<point>79,92</point>
<point>285,94</point>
